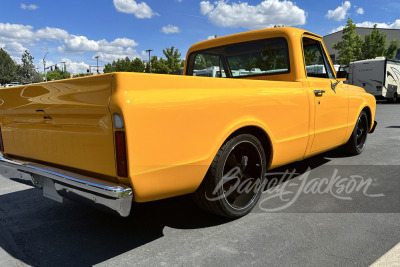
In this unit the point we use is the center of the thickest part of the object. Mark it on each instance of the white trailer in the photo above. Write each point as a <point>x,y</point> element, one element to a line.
<point>379,76</point>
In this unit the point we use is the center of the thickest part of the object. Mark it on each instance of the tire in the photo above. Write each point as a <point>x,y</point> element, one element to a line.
<point>356,144</point>
<point>219,195</point>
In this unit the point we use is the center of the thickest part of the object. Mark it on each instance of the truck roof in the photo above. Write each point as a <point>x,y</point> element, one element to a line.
<point>248,36</point>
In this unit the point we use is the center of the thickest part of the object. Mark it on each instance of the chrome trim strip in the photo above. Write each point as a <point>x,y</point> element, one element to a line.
<point>108,188</point>
<point>101,194</point>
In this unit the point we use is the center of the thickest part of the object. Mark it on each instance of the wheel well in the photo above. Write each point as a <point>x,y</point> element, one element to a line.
<point>369,116</point>
<point>261,135</point>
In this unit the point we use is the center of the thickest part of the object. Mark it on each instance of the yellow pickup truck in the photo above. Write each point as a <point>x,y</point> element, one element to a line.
<point>247,103</point>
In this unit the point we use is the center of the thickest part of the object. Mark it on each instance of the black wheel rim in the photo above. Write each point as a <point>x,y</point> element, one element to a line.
<point>242,174</point>
<point>362,131</point>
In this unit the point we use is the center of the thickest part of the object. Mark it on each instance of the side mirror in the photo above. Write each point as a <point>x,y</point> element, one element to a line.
<point>341,74</point>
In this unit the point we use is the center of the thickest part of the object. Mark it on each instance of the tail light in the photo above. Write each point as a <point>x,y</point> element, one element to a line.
<point>120,152</point>
<point>1,142</point>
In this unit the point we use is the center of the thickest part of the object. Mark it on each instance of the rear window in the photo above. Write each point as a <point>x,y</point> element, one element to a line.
<point>261,57</point>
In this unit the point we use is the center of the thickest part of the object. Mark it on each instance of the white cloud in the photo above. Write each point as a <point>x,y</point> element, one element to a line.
<point>339,13</point>
<point>16,31</point>
<point>109,57</point>
<point>75,67</point>
<point>123,42</point>
<point>39,64</point>
<point>141,10</point>
<point>264,15</point>
<point>78,44</point>
<point>206,7</point>
<point>107,51</point>
<point>52,34</point>
<point>337,29</point>
<point>360,11</point>
<point>15,37</point>
<point>28,7</point>
<point>370,24</point>
<point>170,29</point>
<point>14,48</point>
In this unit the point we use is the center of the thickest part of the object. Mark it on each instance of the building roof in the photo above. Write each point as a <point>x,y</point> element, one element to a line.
<point>330,39</point>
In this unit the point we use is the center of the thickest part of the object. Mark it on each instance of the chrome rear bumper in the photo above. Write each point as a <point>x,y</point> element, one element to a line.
<point>58,184</point>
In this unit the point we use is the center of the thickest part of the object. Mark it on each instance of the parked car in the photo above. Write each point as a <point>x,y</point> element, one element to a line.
<point>12,84</point>
<point>111,139</point>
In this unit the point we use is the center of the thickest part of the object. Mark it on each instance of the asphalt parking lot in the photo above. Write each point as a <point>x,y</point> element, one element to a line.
<point>332,229</point>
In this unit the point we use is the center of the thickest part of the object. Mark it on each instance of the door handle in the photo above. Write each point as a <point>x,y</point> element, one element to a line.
<point>319,92</point>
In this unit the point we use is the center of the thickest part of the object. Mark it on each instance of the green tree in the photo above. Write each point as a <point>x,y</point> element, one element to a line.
<point>81,75</point>
<point>374,44</point>
<point>122,64</point>
<point>159,65</point>
<point>136,65</point>
<point>126,65</point>
<point>57,75</point>
<point>109,67</point>
<point>173,61</point>
<point>27,71</point>
<point>203,61</point>
<point>392,49</point>
<point>200,62</point>
<point>8,68</point>
<point>310,56</point>
<point>350,48</point>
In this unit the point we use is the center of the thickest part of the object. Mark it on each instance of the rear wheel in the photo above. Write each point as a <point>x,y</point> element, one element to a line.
<point>233,183</point>
<point>358,138</point>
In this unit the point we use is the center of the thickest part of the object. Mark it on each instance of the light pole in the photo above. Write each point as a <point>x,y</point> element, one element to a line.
<point>149,51</point>
<point>44,65</point>
<point>65,68</point>
<point>97,57</point>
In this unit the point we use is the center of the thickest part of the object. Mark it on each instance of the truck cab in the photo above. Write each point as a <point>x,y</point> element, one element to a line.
<point>281,54</point>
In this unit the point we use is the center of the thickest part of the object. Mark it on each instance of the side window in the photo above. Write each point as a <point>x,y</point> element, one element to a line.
<point>268,56</point>
<point>208,65</point>
<point>315,59</point>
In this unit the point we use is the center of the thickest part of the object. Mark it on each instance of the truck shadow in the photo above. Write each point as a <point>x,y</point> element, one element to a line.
<point>45,233</point>
<point>41,232</point>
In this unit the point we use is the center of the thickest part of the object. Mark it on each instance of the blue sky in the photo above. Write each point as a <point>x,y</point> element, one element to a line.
<point>76,31</point>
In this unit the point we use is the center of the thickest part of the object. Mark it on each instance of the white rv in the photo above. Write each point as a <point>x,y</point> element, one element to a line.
<point>379,76</point>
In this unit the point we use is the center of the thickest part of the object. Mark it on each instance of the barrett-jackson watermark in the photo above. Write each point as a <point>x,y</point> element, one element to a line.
<point>287,190</point>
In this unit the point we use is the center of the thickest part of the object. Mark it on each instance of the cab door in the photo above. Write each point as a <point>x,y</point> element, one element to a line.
<point>330,99</point>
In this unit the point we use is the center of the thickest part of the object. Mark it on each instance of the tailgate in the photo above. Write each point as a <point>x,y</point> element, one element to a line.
<point>65,123</point>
